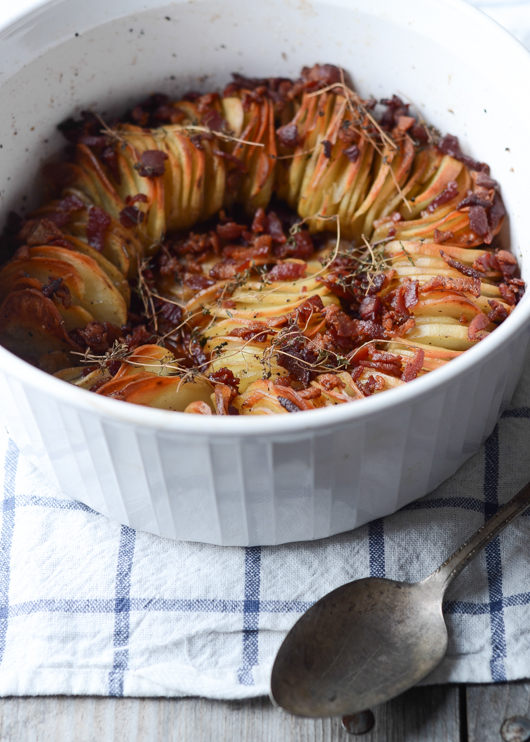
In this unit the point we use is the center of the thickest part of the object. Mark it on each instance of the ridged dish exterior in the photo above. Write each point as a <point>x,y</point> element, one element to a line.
<point>247,491</point>
<point>181,478</point>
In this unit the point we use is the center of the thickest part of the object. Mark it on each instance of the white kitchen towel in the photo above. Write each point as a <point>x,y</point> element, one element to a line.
<point>91,607</point>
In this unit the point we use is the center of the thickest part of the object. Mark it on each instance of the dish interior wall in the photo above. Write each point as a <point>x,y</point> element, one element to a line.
<point>67,57</point>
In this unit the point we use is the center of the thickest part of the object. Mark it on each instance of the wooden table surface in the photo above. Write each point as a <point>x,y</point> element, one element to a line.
<point>472,713</point>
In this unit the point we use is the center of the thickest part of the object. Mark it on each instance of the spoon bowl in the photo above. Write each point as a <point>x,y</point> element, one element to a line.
<point>372,639</point>
<point>390,632</point>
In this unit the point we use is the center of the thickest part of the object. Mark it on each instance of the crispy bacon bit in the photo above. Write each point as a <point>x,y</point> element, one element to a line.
<point>325,74</point>
<point>496,213</point>
<point>507,263</point>
<point>130,217</point>
<point>441,237</point>
<point>223,271</point>
<point>230,230</point>
<point>225,376</point>
<point>170,312</point>
<point>287,272</point>
<point>475,199</point>
<point>476,327</point>
<point>449,145</point>
<point>410,294</point>
<point>260,220</point>
<point>486,262</point>
<point>414,366</point>
<point>98,223</point>
<point>498,311</point>
<point>23,253</point>
<point>59,289</point>
<point>478,220</point>
<point>371,308</point>
<point>507,294</point>
<point>213,120</point>
<point>139,336</point>
<point>371,385</point>
<point>449,192</point>
<point>288,136</point>
<point>327,148</point>
<point>460,267</point>
<point>330,382</point>
<point>197,282</point>
<point>275,229</point>
<point>300,246</point>
<point>419,132</point>
<point>40,232</point>
<point>288,405</point>
<point>152,163</point>
<point>98,336</point>
<point>294,355</point>
<point>352,153</point>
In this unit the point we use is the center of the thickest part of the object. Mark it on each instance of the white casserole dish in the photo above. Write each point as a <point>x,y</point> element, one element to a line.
<point>264,480</point>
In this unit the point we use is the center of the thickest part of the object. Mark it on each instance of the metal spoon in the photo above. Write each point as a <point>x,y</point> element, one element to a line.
<point>370,640</point>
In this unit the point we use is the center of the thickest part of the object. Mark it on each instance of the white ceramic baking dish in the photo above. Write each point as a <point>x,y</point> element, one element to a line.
<point>263,480</point>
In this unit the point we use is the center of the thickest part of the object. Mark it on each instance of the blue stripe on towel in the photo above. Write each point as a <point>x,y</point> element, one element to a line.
<point>376,548</point>
<point>6,538</point>
<point>122,608</point>
<point>251,612</point>
<point>493,561</point>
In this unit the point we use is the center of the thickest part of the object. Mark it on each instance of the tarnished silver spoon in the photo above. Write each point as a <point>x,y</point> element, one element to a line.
<point>370,640</point>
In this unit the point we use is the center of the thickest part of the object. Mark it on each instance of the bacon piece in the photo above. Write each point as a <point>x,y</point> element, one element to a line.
<point>476,326</point>
<point>478,220</point>
<point>507,294</point>
<point>414,366</point>
<point>213,120</point>
<point>152,163</point>
<point>98,336</point>
<point>98,223</point>
<point>230,230</point>
<point>460,267</point>
<point>449,145</point>
<point>302,248</point>
<point>58,288</point>
<point>371,385</point>
<point>288,136</point>
<point>252,331</point>
<point>287,272</point>
<point>371,308</point>
<point>486,262</point>
<point>330,382</point>
<point>130,217</point>
<point>40,232</point>
<point>441,237</point>
<point>449,192</point>
<point>498,311</point>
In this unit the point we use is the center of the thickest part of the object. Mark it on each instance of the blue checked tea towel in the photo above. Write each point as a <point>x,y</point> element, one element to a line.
<point>91,607</point>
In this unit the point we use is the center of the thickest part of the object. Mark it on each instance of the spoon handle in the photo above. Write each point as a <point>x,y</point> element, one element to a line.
<point>454,564</point>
